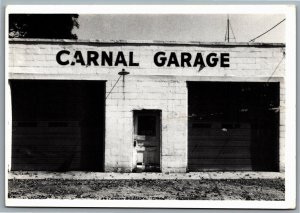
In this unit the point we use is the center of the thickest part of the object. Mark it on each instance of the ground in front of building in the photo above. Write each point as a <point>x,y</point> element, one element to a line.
<point>148,189</point>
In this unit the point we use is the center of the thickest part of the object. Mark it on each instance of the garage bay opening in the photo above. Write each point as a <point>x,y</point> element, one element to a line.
<point>233,126</point>
<point>57,125</point>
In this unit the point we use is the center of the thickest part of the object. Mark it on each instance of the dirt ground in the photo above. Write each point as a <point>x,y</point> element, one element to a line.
<point>234,189</point>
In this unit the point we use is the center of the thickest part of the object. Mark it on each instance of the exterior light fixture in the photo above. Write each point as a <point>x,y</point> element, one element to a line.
<point>123,72</point>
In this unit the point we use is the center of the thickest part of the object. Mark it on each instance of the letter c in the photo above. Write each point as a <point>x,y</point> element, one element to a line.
<point>58,57</point>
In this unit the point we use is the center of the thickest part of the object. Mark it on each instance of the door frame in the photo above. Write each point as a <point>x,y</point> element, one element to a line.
<point>156,112</point>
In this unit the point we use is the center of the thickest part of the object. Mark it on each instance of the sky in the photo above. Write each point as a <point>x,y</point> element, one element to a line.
<point>180,27</point>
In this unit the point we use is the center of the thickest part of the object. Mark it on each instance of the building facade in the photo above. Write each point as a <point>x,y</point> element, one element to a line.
<point>175,107</point>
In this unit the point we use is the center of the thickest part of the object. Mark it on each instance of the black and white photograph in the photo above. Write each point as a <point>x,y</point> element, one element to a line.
<point>161,106</point>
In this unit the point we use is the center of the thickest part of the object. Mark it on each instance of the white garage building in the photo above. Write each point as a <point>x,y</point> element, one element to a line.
<point>178,107</point>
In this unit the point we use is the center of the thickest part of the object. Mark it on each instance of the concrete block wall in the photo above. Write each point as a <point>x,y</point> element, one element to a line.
<point>246,60</point>
<point>137,93</point>
<point>282,119</point>
<point>150,87</point>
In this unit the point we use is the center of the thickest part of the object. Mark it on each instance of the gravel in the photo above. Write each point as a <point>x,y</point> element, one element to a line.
<point>231,189</point>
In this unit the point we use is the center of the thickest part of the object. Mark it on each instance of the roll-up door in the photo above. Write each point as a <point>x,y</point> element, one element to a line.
<point>58,125</point>
<point>220,146</point>
<point>233,126</point>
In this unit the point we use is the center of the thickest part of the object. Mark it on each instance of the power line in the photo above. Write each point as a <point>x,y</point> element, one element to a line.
<point>267,31</point>
<point>276,67</point>
<point>113,87</point>
<point>232,32</point>
<point>228,29</point>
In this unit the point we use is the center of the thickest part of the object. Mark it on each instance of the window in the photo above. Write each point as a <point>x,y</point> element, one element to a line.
<point>146,125</point>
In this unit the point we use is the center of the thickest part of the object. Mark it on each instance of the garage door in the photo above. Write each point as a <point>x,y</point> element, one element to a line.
<point>233,126</point>
<point>57,125</point>
<point>219,146</point>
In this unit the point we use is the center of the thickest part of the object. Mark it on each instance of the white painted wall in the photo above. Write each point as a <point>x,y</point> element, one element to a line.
<point>150,87</point>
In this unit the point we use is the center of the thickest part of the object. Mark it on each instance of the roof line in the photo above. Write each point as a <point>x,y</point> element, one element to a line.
<point>144,42</point>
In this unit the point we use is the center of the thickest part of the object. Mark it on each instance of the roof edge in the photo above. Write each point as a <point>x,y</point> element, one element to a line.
<point>144,42</point>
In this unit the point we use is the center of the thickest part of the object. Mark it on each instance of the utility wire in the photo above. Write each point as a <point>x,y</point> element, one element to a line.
<point>276,67</point>
<point>267,31</point>
<point>228,29</point>
<point>232,31</point>
<point>113,87</point>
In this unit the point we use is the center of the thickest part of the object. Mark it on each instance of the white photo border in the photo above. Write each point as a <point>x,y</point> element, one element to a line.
<point>290,78</point>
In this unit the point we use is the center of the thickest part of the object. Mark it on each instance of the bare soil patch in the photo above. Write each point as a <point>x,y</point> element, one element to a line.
<point>233,189</point>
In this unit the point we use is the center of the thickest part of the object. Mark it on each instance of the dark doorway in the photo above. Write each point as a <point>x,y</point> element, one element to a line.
<point>147,134</point>
<point>233,126</point>
<point>58,125</point>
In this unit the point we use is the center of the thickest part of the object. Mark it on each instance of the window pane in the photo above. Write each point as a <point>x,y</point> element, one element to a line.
<point>146,125</point>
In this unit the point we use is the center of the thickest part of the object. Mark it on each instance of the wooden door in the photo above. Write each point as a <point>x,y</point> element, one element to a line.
<point>147,134</point>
